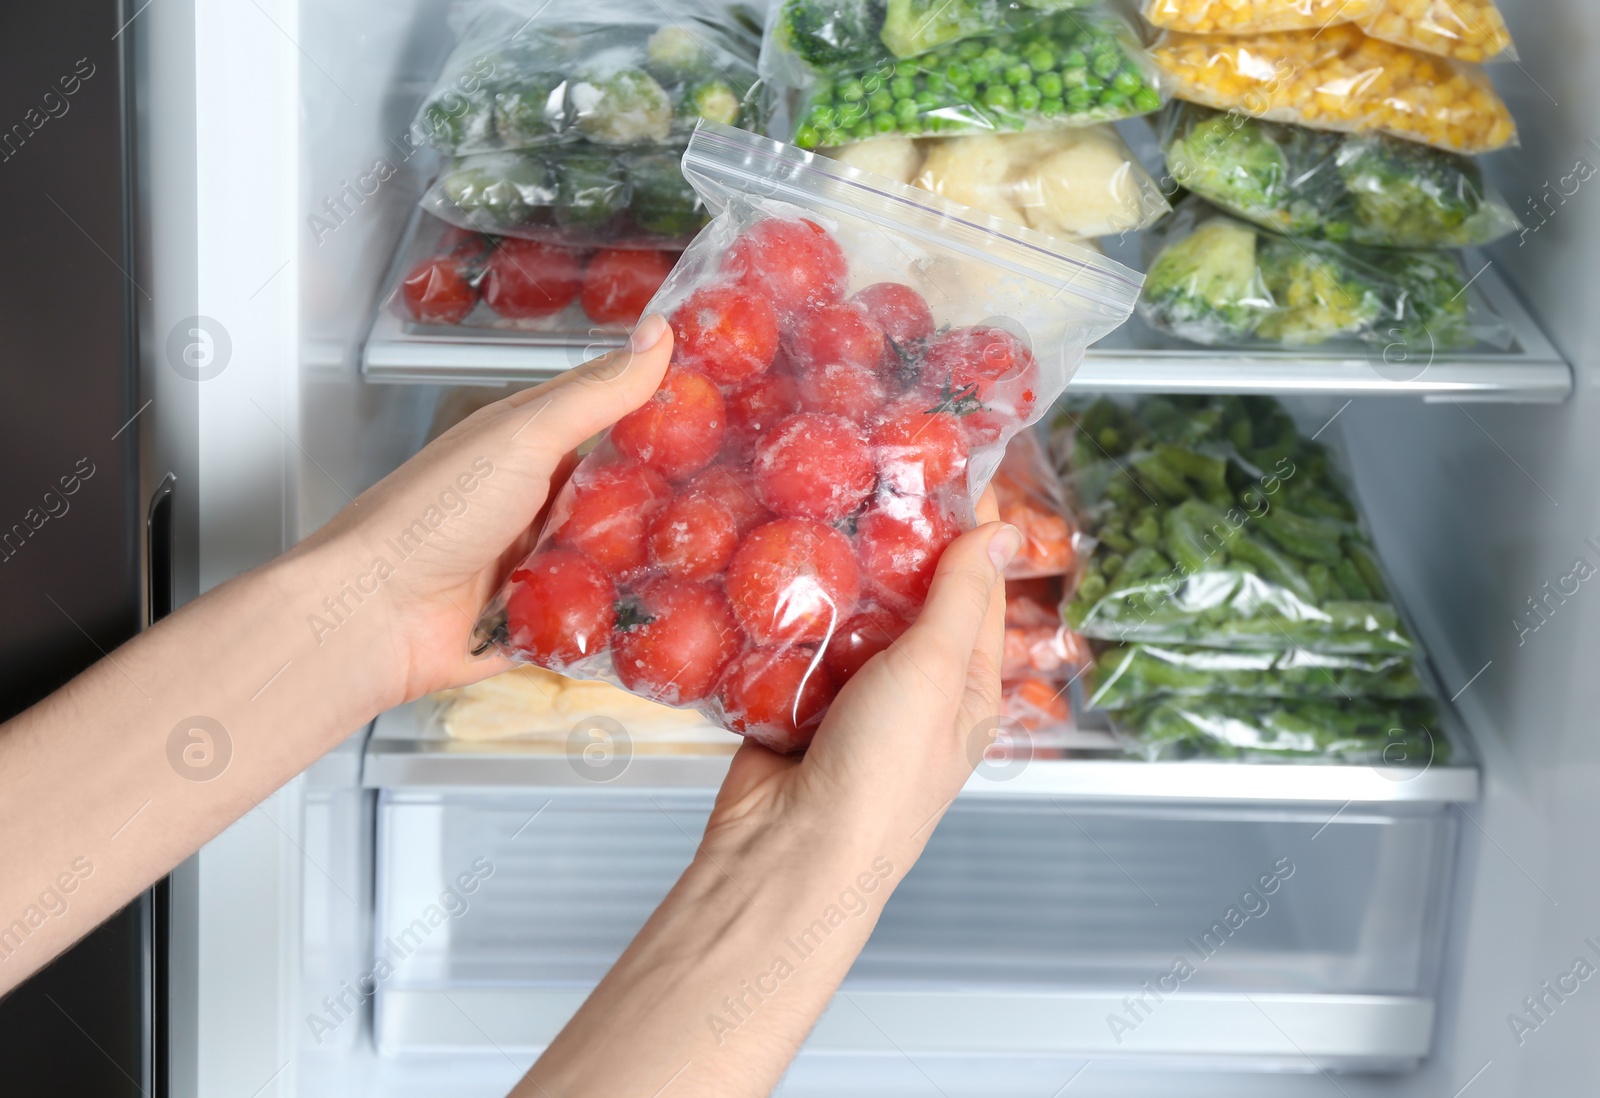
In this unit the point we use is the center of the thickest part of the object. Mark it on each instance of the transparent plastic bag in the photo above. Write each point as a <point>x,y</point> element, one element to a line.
<point>1217,525</point>
<point>1126,675</point>
<point>576,195</point>
<point>1037,643</point>
<point>1339,79</point>
<point>531,73</point>
<point>1217,280</point>
<point>851,358</point>
<point>1360,731</point>
<point>1071,68</point>
<point>1030,497</point>
<point>1255,16</point>
<point>1467,30</point>
<point>1368,189</point>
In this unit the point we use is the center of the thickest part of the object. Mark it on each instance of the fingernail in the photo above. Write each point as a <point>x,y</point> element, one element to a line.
<point>648,333</point>
<point>1004,546</point>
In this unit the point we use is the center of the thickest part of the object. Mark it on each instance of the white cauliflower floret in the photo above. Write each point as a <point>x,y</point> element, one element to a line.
<point>975,171</point>
<point>895,158</point>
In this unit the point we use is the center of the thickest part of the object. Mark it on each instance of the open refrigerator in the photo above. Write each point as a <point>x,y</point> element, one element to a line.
<point>1409,920</point>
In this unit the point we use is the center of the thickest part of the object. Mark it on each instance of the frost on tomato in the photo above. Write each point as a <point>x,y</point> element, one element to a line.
<point>793,581</point>
<point>735,489</point>
<point>859,639</point>
<point>559,609</point>
<point>693,536</point>
<point>608,513</point>
<point>813,466</point>
<point>795,263</point>
<point>437,291</point>
<point>843,389</point>
<point>679,429</point>
<point>525,279</point>
<point>674,639</point>
<point>619,282</point>
<point>901,314</point>
<point>833,334</point>
<point>919,450</point>
<point>776,696</point>
<point>727,332</point>
<point>985,375</point>
<point>900,539</point>
<point>756,407</point>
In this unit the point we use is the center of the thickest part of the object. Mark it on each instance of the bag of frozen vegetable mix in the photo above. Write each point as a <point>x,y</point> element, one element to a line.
<point>533,73</point>
<point>1217,525</point>
<point>1038,70</point>
<point>1369,189</point>
<point>1356,731</point>
<point>1216,280</point>
<point>1339,79</point>
<point>1129,674</point>
<point>851,357</point>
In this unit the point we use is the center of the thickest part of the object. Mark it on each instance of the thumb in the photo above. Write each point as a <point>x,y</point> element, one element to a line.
<point>949,628</point>
<point>560,414</point>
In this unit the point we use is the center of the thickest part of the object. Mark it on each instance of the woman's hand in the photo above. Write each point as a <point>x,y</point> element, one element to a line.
<point>451,523</point>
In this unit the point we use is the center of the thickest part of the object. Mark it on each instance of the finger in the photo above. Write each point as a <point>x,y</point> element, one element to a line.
<point>988,506</point>
<point>947,631</point>
<point>558,415</point>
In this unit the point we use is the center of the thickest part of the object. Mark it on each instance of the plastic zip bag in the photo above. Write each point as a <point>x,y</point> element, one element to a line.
<point>1339,79</point>
<point>1030,497</point>
<point>1255,16</point>
<point>851,358</point>
<point>1355,732</point>
<point>1217,525</point>
<point>1217,280</point>
<point>1037,643</point>
<point>531,73</point>
<point>1467,30</point>
<point>1071,68</point>
<point>1126,675</point>
<point>1369,189</point>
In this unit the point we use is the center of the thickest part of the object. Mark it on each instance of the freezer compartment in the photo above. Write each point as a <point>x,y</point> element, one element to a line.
<point>1233,934</point>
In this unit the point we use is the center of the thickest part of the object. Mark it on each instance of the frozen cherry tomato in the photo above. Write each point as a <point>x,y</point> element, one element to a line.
<point>756,407</point>
<point>525,279</point>
<point>560,608</point>
<point>437,291</point>
<point>918,451</point>
<point>674,639</point>
<point>609,512</point>
<point>618,283</point>
<point>899,540</point>
<point>901,313</point>
<point>984,374</point>
<point>728,332</point>
<point>735,489</point>
<point>679,429</point>
<point>796,263</point>
<point>813,466</point>
<point>843,389</point>
<point>793,581</point>
<point>861,638</point>
<point>693,536</point>
<point>776,696</point>
<point>834,334</point>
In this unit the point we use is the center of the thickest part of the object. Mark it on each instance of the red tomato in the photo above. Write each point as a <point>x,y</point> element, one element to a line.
<point>843,389</point>
<point>793,581</point>
<point>813,466</point>
<point>608,512</point>
<point>919,451</point>
<point>899,539</point>
<point>437,291</point>
<point>735,489</point>
<point>757,406</point>
<point>679,429</point>
<point>901,313</point>
<point>619,283</point>
<point>728,332</point>
<point>693,536</point>
<point>560,608</point>
<point>525,279</point>
<point>986,375</point>
<point>458,241</point>
<point>834,334</point>
<point>861,638</point>
<point>776,696</point>
<point>795,263</point>
<point>673,641</point>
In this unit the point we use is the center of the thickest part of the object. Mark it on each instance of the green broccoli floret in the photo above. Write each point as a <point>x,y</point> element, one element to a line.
<point>1228,159</point>
<point>530,111</point>
<point>833,36</point>
<point>1206,287</point>
<point>626,107</point>
<point>714,100</point>
<point>673,54</point>
<point>1318,295</point>
<point>459,120</point>
<point>1429,307</point>
<point>1413,195</point>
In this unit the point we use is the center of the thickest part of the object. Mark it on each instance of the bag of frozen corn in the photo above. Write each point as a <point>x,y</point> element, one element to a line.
<point>1467,30</point>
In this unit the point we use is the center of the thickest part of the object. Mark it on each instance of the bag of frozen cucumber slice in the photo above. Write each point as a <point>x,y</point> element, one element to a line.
<point>530,73</point>
<point>1402,735</point>
<point>1217,524</point>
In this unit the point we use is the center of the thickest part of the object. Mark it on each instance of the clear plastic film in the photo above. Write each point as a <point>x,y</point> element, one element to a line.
<point>1213,279</point>
<point>1339,79</point>
<point>1031,498</point>
<point>1467,30</point>
<point>1368,189</point>
<point>1127,675</point>
<point>1218,525</point>
<point>851,357</point>
<point>1359,731</point>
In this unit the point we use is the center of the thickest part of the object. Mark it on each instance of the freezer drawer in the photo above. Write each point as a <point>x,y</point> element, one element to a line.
<point>1271,935</point>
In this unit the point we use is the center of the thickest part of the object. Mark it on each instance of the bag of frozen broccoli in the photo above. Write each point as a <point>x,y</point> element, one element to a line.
<point>1369,189</point>
<point>1403,734</point>
<point>1467,30</point>
<point>531,73</point>
<point>1129,674</point>
<point>1216,280</point>
<point>1035,70</point>
<point>1216,524</point>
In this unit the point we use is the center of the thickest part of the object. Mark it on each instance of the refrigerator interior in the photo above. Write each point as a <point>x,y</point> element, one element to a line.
<point>1479,509</point>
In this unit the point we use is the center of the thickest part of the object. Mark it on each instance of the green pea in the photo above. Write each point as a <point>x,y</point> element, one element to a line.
<point>927,100</point>
<point>1040,59</point>
<point>1147,99</point>
<point>807,137</point>
<point>907,68</point>
<point>906,111</point>
<point>993,55</point>
<point>1125,82</point>
<point>1028,98</point>
<point>969,49</point>
<point>880,101</point>
<point>1052,107</point>
<point>999,97</point>
<point>1094,83</point>
<point>863,131</point>
<point>852,114</point>
<point>1105,64</point>
<point>1079,99</point>
<point>829,138</point>
<point>1075,78</point>
<point>884,68</point>
<point>1114,101</point>
<point>935,82</point>
<point>872,82</point>
<point>883,123</point>
<point>852,90</point>
<point>903,87</point>
<point>957,73</point>
<point>1018,75</point>
<point>1049,84</point>
<point>1074,59</point>
<point>980,70</point>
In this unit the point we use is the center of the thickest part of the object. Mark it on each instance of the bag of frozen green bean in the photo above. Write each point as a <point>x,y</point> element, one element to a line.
<point>1360,731</point>
<point>1134,673</point>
